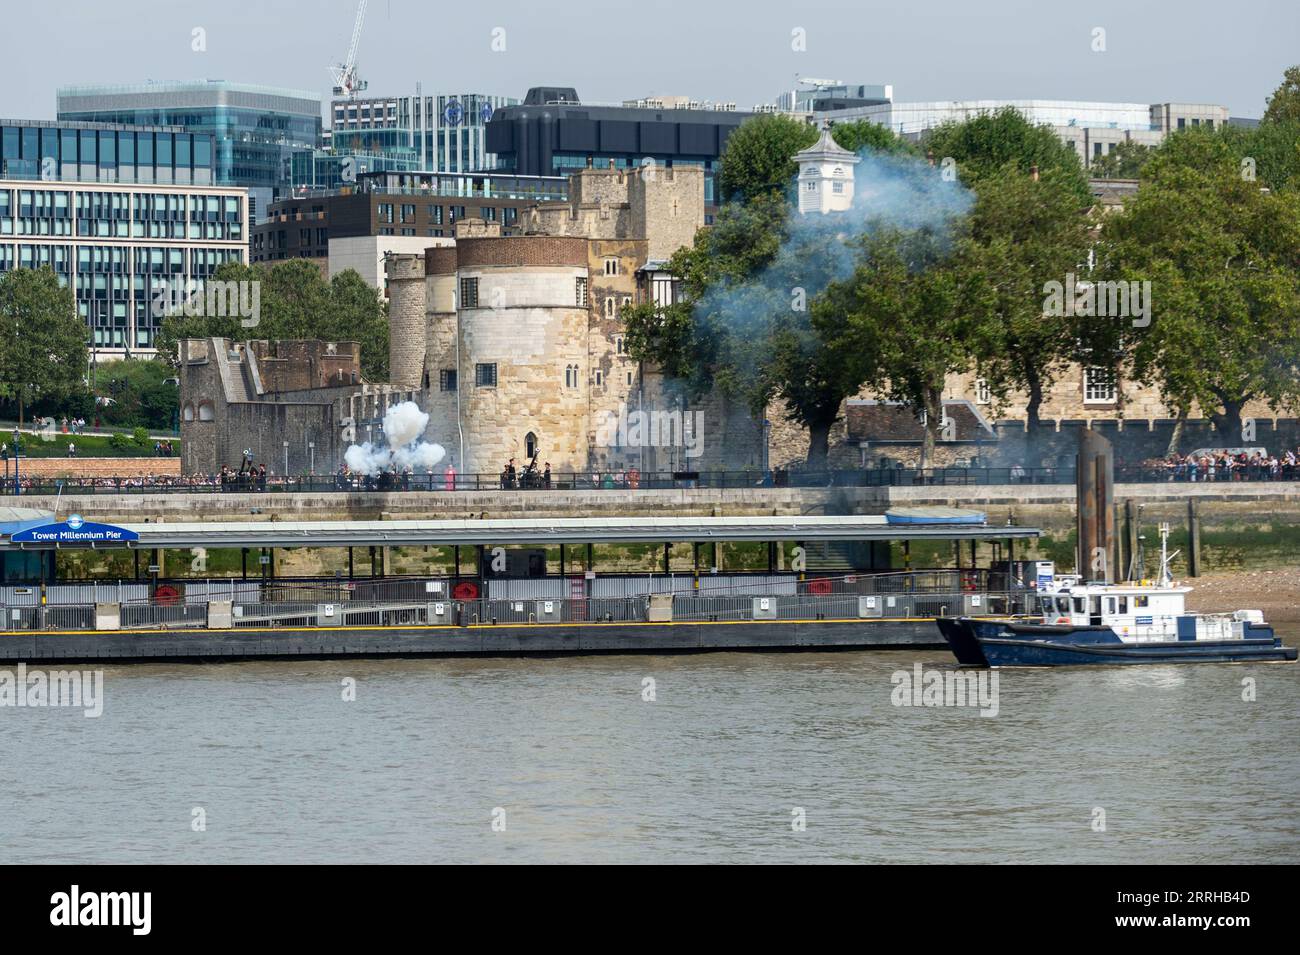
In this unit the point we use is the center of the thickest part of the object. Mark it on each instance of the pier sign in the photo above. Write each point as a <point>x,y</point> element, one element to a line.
<point>75,530</point>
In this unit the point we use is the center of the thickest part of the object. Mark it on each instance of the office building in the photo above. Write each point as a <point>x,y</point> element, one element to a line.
<point>1092,128</point>
<point>552,133</point>
<point>437,133</point>
<point>256,129</point>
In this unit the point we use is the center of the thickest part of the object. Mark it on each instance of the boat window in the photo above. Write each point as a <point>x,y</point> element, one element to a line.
<point>1141,600</point>
<point>1079,605</point>
<point>1110,604</point>
<point>1123,605</point>
<point>1062,605</point>
<point>1094,605</point>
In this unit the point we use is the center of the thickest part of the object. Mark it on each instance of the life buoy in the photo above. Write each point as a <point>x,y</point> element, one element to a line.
<point>165,595</point>
<point>465,590</point>
<point>820,586</point>
<point>968,582</point>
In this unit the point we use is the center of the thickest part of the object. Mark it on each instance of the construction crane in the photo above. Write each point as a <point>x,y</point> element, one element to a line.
<point>346,81</point>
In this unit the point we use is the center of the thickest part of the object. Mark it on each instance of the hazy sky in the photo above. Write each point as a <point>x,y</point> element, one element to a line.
<point>1229,53</point>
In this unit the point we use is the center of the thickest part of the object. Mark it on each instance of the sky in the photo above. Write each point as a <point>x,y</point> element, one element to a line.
<point>1191,51</point>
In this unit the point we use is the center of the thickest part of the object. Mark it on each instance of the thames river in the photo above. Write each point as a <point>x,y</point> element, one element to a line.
<point>787,757</point>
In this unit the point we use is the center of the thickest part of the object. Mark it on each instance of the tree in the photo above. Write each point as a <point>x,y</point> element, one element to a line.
<point>143,393</point>
<point>866,135</point>
<point>1284,104</point>
<point>42,338</point>
<point>759,157</point>
<point>1124,161</point>
<point>1025,234</point>
<point>744,326</point>
<point>1222,257</point>
<point>908,317</point>
<point>983,145</point>
<point>295,302</point>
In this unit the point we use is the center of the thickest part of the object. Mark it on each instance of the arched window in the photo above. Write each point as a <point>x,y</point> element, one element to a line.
<point>205,411</point>
<point>187,413</point>
<point>530,445</point>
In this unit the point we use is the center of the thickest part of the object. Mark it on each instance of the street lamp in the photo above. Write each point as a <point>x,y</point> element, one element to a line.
<point>286,460</point>
<point>18,488</point>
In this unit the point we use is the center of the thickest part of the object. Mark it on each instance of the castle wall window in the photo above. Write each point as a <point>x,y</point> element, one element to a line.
<point>610,306</point>
<point>485,375</point>
<point>469,293</point>
<point>600,379</point>
<point>187,413</point>
<point>837,187</point>
<point>1098,386</point>
<point>530,445</point>
<point>205,411</point>
<point>447,379</point>
<point>580,292</point>
<point>611,266</point>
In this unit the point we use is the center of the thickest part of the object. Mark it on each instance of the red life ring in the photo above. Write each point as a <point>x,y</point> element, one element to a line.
<point>165,595</point>
<point>968,582</point>
<point>465,590</point>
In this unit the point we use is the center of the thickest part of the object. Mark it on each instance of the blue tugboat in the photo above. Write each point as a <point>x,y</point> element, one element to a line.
<point>1089,623</point>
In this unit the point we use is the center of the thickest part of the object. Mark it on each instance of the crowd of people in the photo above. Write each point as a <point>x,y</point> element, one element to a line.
<point>1225,466</point>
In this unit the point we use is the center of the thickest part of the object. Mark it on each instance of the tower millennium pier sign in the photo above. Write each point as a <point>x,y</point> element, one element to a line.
<point>75,531</point>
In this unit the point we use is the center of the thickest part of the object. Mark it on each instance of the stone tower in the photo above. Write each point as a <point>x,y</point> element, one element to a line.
<point>825,175</point>
<point>407,336</point>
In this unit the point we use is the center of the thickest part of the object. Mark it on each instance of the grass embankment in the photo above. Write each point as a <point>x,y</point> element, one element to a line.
<point>88,445</point>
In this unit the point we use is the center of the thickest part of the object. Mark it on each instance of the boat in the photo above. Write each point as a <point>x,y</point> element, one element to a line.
<point>1081,623</point>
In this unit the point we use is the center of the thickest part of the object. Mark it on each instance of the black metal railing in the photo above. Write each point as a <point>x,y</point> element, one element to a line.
<point>632,480</point>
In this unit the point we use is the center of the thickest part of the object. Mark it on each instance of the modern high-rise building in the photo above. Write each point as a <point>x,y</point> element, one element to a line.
<point>115,210</point>
<point>256,129</point>
<point>443,132</point>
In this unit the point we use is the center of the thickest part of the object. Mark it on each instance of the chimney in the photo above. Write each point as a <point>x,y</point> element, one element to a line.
<point>589,163</point>
<point>1033,172</point>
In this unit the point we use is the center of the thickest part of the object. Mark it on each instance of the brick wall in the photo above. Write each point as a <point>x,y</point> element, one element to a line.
<point>99,467</point>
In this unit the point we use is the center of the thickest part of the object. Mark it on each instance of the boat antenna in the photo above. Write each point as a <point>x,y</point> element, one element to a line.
<point>1166,578</point>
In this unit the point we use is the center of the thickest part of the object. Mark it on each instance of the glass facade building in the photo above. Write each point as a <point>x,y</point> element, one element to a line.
<point>101,152</point>
<point>444,132</point>
<point>255,129</point>
<point>113,242</point>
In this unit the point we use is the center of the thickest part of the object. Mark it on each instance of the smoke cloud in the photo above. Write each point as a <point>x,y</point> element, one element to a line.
<point>404,424</point>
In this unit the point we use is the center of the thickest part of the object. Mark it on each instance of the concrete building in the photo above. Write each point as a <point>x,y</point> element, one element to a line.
<point>1092,128</point>
<point>114,243</point>
<point>392,204</point>
<point>366,254</point>
<point>256,128</point>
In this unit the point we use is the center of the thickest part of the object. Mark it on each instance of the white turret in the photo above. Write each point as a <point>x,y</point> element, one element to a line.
<point>825,175</point>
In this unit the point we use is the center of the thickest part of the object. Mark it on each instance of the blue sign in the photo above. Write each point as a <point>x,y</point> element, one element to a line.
<point>1144,621</point>
<point>75,531</point>
<point>453,113</point>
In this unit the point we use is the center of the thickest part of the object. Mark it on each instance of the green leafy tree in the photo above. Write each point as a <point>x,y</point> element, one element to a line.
<point>42,338</point>
<point>143,393</point>
<point>1284,104</point>
<point>295,302</point>
<point>909,316</point>
<point>759,157</point>
<point>983,145</point>
<point>1025,234</point>
<point>1223,259</point>
<point>744,325</point>
<point>1124,161</point>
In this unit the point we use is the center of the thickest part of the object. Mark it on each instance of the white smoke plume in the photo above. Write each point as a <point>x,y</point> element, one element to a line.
<point>404,423</point>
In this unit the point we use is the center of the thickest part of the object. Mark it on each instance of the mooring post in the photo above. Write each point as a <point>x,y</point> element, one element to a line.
<point>1193,540</point>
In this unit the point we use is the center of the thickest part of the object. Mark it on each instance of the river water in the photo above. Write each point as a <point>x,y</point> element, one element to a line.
<point>565,760</point>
